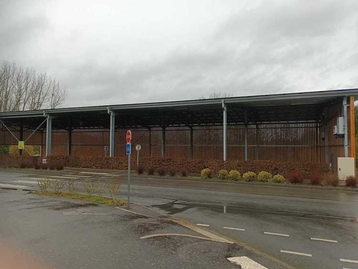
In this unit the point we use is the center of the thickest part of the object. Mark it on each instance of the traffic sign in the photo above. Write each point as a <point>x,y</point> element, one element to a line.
<point>138,147</point>
<point>128,148</point>
<point>128,136</point>
<point>21,145</point>
<point>106,148</point>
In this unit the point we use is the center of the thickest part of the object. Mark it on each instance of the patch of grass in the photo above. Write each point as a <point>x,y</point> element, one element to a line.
<point>83,197</point>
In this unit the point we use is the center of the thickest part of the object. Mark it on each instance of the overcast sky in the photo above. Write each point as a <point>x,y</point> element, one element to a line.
<point>107,52</point>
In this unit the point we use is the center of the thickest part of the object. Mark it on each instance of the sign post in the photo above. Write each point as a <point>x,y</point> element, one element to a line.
<point>105,151</point>
<point>138,148</point>
<point>128,152</point>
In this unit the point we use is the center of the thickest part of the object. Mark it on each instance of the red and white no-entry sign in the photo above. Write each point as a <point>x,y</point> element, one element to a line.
<point>128,136</point>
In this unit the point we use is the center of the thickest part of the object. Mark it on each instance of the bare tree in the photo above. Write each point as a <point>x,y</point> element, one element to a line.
<point>24,89</point>
<point>217,95</point>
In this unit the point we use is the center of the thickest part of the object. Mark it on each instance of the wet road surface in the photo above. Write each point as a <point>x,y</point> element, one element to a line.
<point>304,228</point>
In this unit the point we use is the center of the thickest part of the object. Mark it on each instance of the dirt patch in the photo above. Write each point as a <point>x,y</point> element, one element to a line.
<point>68,205</point>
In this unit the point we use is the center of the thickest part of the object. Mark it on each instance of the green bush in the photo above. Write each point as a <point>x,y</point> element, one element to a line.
<point>277,179</point>
<point>264,176</point>
<point>205,173</point>
<point>234,175</point>
<point>249,176</point>
<point>223,174</point>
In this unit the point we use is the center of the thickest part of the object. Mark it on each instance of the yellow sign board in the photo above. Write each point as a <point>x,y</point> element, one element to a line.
<point>21,145</point>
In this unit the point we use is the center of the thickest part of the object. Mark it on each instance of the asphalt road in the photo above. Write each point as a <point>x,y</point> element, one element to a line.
<point>304,228</point>
<point>47,232</point>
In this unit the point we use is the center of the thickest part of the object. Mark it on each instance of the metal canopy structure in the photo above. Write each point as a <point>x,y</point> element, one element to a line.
<point>304,107</point>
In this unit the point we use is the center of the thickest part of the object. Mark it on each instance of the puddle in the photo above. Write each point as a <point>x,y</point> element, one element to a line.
<point>68,205</point>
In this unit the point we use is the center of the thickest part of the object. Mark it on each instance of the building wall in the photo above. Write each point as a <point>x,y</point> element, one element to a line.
<point>281,142</point>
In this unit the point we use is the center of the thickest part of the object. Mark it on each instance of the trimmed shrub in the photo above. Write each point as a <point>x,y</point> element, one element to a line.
<point>162,172</point>
<point>23,165</point>
<point>223,174</point>
<point>264,176</point>
<point>184,173</point>
<point>296,177</point>
<point>172,172</point>
<point>234,175</point>
<point>205,173</point>
<point>44,167</point>
<point>330,180</point>
<point>277,179</point>
<point>316,179</point>
<point>140,170</point>
<point>249,176</point>
<point>59,167</point>
<point>351,182</point>
<point>150,171</point>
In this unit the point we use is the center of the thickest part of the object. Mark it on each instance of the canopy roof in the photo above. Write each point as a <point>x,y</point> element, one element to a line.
<point>257,109</point>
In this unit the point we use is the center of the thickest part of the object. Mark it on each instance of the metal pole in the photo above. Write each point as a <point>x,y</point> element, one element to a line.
<point>345,125</point>
<point>224,131</point>
<point>137,158</point>
<point>21,133</point>
<point>48,135</point>
<point>112,126</point>
<point>129,180</point>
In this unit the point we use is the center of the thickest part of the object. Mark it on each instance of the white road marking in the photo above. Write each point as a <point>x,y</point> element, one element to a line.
<point>95,173</point>
<point>350,261</point>
<point>296,253</point>
<point>26,182</point>
<point>64,177</point>
<point>245,262</point>
<point>13,186</point>
<point>204,225</point>
<point>236,229</point>
<point>324,240</point>
<point>40,178</point>
<point>284,235</point>
<point>76,176</point>
<point>183,235</point>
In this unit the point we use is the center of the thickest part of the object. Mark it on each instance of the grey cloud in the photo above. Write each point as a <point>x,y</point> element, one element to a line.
<point>274,47</point>
<point>20,24</point>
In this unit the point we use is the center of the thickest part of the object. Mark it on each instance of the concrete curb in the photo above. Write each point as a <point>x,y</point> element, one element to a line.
<point>188,179</point>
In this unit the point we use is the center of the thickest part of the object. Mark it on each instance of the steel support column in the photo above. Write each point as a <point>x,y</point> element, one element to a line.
<point>150,142</point>
<point>48,135</point>
<point>163,141</point>
<point>69,136</point>
<point>352,128</point>
<point>326,149</point>
<point>246,136</point>
<point>21,133</point>
<point>112,130</point>
<point>345,126</point>
<point>42,143</point>
<point>257,142</point>
<point>191,142</point>
<point>224,131</point>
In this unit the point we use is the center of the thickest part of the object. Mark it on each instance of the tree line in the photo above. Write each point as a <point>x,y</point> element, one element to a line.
<point>26,89</point>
